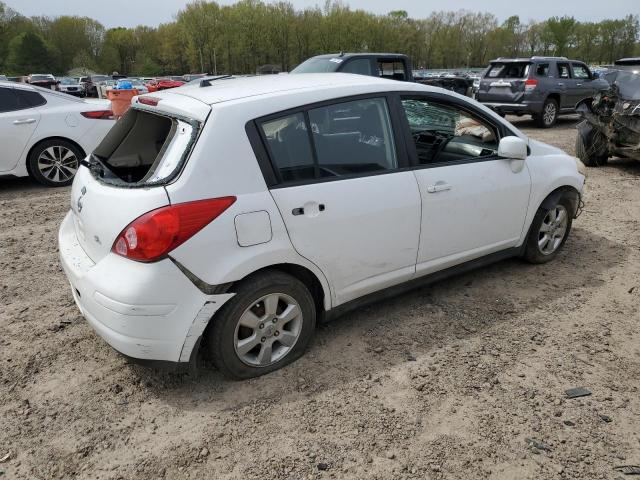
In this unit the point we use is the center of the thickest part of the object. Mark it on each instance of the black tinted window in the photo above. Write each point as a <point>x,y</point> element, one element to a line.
<point>360,66</point>
<point>8,100</point>
<point>542,70</point>
<point>30,99</point>
<point>348,138</point>
<point>444,133</point>
<point>289,147</point>
<point>16,99</point>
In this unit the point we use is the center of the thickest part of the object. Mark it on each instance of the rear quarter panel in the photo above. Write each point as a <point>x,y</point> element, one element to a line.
<point>224,164</point>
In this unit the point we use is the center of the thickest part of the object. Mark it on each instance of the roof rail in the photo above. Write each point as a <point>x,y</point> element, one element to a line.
<point>537,57</point>
<point>207,81</point>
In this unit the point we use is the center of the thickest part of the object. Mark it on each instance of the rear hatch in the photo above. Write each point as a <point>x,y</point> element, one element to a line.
<point>125,176</point>
<point>504,82</point>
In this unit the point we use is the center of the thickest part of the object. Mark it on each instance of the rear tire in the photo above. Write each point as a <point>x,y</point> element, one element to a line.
<point>54,162</point>
<point>265,326</point>
<point>549,231</point>
<point>549,115</point>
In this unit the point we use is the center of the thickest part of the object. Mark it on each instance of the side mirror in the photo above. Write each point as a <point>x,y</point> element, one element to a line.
<point>513,149</point>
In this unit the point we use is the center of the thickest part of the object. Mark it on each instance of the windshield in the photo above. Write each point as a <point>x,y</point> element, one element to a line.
<point>508,70</point>
<point>318,65</point>
<point>68,81</point>
<point>100,78</point>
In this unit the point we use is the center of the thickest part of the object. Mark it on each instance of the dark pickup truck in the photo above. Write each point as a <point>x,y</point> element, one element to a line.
<point>393,66</point>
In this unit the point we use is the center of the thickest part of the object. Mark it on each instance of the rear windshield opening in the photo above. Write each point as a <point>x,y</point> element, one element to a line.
<point>144,148</point>
<point>508,70</point>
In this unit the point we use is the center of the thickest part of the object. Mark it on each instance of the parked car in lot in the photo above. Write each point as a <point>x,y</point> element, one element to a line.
<point>631,64</point>
<point>244,211</point>
<point>71,86</point>
<point>393,66</point>
<point>165,83</point>
<point>46,134</point>
<point>91,84</point>
<point>43,80</point>
<point>543,87</point>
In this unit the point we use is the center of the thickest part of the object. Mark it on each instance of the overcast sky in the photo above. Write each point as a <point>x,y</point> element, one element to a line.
<point>129,13</point>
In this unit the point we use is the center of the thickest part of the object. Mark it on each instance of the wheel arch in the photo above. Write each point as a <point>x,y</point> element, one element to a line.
<point>554,96</point>
<point>54,137</point>
<point>552,198</point>
<point>319,292</point>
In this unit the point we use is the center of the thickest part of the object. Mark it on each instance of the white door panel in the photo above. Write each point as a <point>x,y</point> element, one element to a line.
<point>363,233</point>
<point>16,128</point>
<point>470,210</point>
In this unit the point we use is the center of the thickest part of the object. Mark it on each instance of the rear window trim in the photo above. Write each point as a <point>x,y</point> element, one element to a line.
<point>97,166</point>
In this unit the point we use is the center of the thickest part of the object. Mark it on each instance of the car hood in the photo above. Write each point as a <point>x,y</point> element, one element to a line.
<point>541,148</point>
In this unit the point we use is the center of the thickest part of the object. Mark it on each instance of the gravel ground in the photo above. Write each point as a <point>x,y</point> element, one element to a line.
<point>463,379</point>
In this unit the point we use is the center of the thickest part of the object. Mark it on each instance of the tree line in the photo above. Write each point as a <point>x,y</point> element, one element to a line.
<point>239,38</point>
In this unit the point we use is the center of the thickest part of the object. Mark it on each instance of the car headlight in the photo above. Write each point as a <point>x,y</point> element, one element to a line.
<point>582,169</point>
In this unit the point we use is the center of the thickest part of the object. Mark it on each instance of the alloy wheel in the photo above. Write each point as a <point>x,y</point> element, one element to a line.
<point>553,230</point>
<point>549,114</point>
<point>57,164</point>
<point>268,329</point>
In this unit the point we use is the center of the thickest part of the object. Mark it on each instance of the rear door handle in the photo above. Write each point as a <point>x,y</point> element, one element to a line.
<point>578,84</point>
<point>24,121</point>
<point>438,187</point>
<point>300,210</point>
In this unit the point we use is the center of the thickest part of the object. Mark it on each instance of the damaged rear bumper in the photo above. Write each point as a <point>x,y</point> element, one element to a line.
<point>146,311</point>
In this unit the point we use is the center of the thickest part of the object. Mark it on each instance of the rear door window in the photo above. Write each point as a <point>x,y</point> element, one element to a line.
<point>144,149</point>
<point>343,139</point>
<point>8,100</point>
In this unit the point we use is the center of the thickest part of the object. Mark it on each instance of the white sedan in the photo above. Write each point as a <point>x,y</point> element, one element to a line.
<point>45,134</point>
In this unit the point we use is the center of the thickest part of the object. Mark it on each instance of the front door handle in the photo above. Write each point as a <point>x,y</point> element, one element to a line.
<point>24,121</point>
<point>438,187</point>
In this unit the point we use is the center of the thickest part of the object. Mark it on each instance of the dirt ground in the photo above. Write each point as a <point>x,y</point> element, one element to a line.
<point>463,379</point>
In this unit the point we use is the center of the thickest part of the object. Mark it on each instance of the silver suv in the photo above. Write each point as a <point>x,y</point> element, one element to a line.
<point>542,87</point>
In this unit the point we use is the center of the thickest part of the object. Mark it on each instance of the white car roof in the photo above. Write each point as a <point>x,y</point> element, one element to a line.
<point>235,88</point>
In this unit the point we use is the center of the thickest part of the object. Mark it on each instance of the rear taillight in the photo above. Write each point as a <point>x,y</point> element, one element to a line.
<point>98,114</point>
<point>530,84</point>
<point>154,234</point>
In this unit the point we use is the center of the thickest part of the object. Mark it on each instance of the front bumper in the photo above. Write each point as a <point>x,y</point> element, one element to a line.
<point>147,311</point>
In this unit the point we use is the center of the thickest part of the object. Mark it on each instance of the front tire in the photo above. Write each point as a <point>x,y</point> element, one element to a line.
<point>265,326</point>
<point>54,163</point>
<point>549,115</point>
<point>591,146</point>
<point>549,231</point>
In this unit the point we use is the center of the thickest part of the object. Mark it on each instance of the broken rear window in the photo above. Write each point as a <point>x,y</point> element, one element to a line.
<point>509,70</point>
<point>144,149</point>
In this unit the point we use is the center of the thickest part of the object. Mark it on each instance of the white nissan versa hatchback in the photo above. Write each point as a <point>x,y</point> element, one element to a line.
<point>231,215</point>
